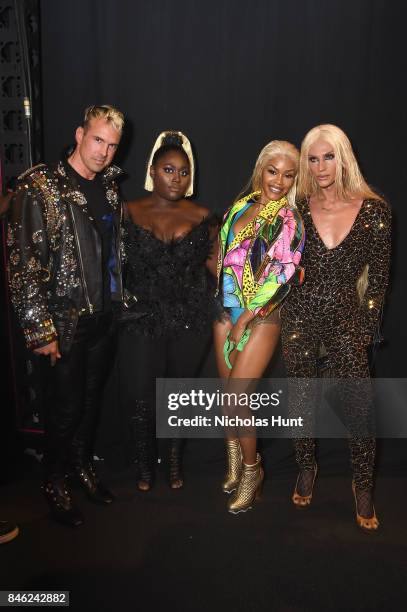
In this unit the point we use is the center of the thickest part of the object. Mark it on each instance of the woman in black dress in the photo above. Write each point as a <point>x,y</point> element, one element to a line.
<point>168,246</point>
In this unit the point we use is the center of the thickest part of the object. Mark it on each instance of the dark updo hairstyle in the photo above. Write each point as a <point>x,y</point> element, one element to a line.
<point>170,142</point>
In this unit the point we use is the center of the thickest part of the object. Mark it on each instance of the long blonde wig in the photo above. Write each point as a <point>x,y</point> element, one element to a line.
<point>275,147</point>
<point>349,181</point>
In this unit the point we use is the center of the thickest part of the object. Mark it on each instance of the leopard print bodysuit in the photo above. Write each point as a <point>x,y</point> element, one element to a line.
<point>326,310</point>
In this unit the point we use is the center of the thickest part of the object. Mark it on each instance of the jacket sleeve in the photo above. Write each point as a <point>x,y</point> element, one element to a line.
<point>379,266</point>
<point>29,264</point>
<point>280,267</point>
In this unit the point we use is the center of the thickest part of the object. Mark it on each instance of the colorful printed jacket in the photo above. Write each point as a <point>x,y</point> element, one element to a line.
<point>263,259</point>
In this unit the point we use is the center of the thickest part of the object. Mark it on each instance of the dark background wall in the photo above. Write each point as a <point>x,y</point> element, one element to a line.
<point>234,74</point>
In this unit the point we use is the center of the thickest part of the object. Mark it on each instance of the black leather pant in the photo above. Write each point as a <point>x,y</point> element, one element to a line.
<point>75,395</point>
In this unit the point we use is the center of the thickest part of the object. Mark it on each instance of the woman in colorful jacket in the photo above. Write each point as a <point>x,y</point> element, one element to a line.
<point>260,246</point>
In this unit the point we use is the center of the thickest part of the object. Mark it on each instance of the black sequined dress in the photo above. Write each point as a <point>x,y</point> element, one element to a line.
<point>326,310</point>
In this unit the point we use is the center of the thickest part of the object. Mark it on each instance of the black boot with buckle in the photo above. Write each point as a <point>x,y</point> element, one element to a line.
<point>83,469</point>
<point>95,490</point>
<point>60,502</point>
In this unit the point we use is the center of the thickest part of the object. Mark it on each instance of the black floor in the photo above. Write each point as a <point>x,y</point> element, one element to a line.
<point>181,551</point>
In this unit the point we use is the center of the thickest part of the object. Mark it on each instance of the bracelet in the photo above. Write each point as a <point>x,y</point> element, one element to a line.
<point>44,333</point>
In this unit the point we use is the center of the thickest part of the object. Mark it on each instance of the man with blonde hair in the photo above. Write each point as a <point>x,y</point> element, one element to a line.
<point>65,279</point>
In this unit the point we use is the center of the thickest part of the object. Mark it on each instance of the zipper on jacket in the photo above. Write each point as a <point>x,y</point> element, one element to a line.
<point>85,288</point>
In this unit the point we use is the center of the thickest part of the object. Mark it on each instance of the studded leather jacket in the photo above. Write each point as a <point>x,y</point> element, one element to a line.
<point>55,250</point>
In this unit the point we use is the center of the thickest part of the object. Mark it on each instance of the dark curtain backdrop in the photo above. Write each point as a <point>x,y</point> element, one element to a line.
<point>234,74</point>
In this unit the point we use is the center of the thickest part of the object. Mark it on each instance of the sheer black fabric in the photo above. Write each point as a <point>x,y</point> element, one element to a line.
<point>173,288</point>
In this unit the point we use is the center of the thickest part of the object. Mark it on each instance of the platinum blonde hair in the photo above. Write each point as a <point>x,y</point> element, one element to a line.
<point>104,111</point>
<point>349,181</point>
<point>275,147</point>
<point>184,145</point>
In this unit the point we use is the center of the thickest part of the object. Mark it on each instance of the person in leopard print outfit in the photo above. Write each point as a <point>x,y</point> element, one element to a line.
<point>346,260</point>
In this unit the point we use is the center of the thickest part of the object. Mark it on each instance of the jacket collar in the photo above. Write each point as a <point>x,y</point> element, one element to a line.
<point>73,192</point>
<point>108,175</point>
<point>266,215</point>
<point>111,173</point>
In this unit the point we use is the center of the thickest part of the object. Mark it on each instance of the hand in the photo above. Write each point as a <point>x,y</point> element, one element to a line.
<point>237,331</point>
<point>50,349</point>
<point>239,327</point>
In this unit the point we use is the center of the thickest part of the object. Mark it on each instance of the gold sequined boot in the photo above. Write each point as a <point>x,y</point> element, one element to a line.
<point>234,471</point>
<point>249,487</point>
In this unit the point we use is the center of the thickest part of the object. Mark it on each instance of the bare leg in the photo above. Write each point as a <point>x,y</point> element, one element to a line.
<point>247,367</point>
<point>247,364</point>
<point>220,332</point>
<point>250,364</point>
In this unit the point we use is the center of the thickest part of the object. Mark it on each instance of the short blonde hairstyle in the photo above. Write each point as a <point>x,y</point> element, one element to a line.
<point>349,181</point>
<point>275,147</point>
<point>104,111</point>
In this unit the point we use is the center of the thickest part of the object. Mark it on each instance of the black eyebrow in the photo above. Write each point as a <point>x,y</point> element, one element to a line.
<point>291,170</point>
<point>172,166</point>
